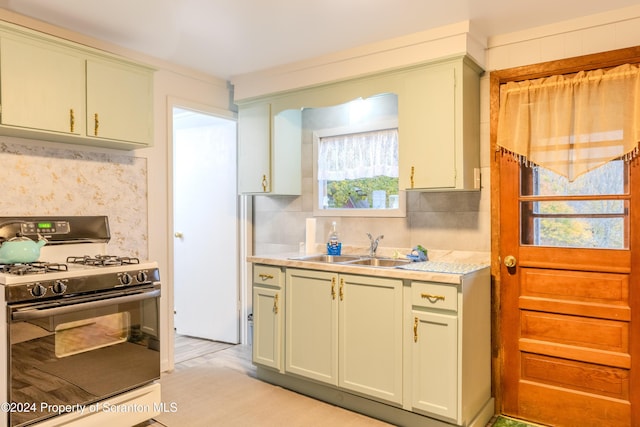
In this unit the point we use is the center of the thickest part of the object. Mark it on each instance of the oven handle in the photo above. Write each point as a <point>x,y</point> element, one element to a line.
<point>37,313</point>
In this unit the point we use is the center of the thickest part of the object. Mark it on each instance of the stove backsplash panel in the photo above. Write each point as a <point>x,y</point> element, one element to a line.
<point>42,180</point>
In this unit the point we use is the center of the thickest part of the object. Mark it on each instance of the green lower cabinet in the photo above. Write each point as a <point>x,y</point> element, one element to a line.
<point>345,330</point>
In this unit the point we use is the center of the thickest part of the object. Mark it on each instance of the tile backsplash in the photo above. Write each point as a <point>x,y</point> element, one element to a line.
<point>47,180</point>
<point>448,221</point>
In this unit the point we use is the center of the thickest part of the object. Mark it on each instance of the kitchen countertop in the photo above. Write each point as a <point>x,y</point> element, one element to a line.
<point>456,263</point>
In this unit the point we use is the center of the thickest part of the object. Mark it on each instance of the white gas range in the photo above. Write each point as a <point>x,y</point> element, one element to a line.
<point>82,334</point>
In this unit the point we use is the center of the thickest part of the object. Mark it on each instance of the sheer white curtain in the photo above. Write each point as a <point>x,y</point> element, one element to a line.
<point>572,124</point>
<point>358,155</point>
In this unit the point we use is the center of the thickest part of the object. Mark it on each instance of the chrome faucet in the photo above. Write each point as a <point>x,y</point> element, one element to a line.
<point>374,244</point>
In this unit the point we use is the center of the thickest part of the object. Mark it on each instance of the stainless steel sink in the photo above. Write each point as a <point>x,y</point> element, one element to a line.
<point>328,258</point>
<point>360,260</point>
<point>381,262</point>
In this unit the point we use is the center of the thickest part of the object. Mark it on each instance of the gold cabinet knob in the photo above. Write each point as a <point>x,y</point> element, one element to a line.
<point>178,235</point>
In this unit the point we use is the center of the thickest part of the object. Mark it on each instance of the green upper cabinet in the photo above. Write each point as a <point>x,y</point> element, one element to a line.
<point>55,90</point>
<point>269,150</point>
<point>119,102</point>
<point>42,86</point>
<point>439,125</point>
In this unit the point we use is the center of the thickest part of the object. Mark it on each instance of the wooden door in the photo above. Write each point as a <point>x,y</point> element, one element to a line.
<point>567,325</point>
<point>565,311</point>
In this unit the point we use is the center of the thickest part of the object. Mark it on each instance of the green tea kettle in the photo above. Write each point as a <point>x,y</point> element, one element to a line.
<point>21,250</point>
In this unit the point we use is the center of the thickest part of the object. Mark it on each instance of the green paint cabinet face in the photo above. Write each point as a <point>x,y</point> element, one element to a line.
<point>438,125</point>
<point>266,327</point>
<point>56,90</point>
<point>311,339</point>
<point>268,315</point>
<point>428,129</point>
<point>42,86</point>
<point>434,371</point>
<point>119,102</point>
<point>269,150</point>
<point>439,121</point>
<point>419,345</point>
<point>345,330</point>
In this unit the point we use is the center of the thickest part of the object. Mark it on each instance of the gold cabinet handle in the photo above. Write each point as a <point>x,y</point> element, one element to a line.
<point>333,288</point>
<point>96,124</point>
<point>413,171</point>
<point>265,276</point>
<point>264,183</point>
<point>275,304</point>
<point>415,329</point>
<point>432,298</point>
<point>72,120</point>
<point>341,289</point>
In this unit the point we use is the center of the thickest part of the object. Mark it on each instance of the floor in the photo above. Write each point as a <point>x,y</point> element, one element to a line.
<point>192,353</point>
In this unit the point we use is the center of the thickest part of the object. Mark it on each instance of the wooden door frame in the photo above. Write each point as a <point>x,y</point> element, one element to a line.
<point>564,66</point>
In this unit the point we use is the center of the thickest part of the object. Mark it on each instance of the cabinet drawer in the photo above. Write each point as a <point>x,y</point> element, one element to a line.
<point>268,275</point>
<point>431,295</point>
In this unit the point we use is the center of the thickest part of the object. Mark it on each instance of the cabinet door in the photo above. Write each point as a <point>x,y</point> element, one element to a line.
<point>370,331</point>
<point>426,114</point>
<point>435,364</point>
<point>42,86</point>
<point>254,152</point>
<point>311,343</point>
<point>267,327</point>
<point>119,102</point>
<point>286,171</point>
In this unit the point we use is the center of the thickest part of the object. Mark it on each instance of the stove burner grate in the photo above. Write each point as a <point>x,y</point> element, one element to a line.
<point>37,267</point>
<point>102,260</point>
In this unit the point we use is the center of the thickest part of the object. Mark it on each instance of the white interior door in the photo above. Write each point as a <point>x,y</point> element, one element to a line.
<point>206,284</point>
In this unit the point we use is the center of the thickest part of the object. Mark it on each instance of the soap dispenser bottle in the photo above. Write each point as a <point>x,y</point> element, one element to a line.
<point>334,246</point>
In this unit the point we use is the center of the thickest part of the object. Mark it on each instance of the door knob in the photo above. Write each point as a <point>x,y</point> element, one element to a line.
<point>510,261</point>
<point>178,235</point>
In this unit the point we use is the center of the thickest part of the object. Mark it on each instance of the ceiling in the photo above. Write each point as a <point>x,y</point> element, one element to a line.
<point>231,37</point>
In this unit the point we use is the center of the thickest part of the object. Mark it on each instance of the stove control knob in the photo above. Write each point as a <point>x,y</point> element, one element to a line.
<point>141,277</point>
<point>126,279</point>
<point>59,287</point>
<point>38,290</point>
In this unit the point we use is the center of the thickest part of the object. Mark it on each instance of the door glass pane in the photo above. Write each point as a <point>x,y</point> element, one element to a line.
<point>608,179</point>
<point>590,212</point>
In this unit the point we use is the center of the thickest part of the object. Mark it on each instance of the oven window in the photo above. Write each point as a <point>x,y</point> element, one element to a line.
<point>89,334</point>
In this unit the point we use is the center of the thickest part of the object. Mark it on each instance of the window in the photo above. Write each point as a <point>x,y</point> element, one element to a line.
<point>356,165</point>
<point>589,212</point>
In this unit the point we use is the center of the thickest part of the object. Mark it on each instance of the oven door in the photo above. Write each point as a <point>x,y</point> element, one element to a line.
<point>66,354</point>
